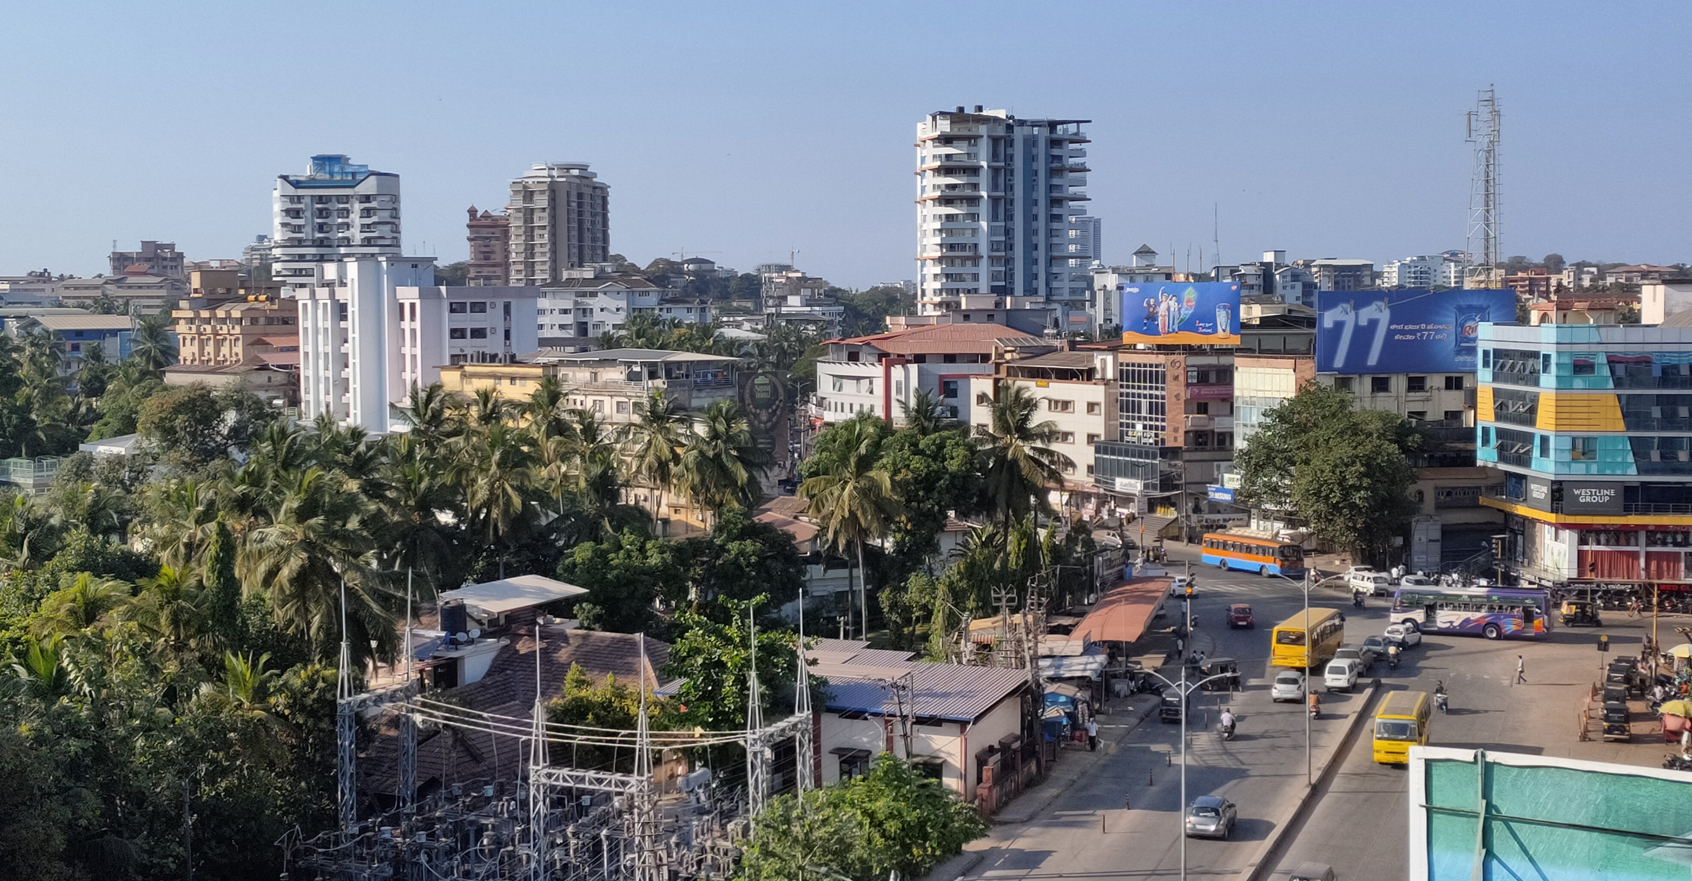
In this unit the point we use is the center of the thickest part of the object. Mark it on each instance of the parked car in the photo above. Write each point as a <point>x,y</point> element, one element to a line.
<point>1178,585</point>
<point>1211,816</point>
<point>1239,615</point>
<point>1375,647</point>
<point>1170,707</point>
<point>1364,660</point>
<point>1288,686</point>
<point>1312,872</point>
<point>1405,637</point>
<point>1341,674</point>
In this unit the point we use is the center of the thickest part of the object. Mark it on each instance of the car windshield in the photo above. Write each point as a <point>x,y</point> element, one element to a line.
<point>1395,729</point>
<point>1372,641</point>
<point>1202,811</point>
<point>1242,610</point>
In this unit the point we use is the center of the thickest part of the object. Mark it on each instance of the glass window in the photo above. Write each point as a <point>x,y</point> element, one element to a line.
<point>1456,383</point>
<point>1416,384</point>
<point>457,308</point>
<point>456,333</point>
<point>1585,365</point>
<point>478,333</point>
<point>1583,449</point>
<point>1380,385</point>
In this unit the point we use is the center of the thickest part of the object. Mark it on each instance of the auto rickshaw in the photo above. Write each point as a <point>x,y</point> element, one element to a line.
<point>1616,725</point>
<point>1625,674</point>
<point>1615,693</point>
<point>1170,709</point>
<point>1581,613</point>
<point>1228,668</point>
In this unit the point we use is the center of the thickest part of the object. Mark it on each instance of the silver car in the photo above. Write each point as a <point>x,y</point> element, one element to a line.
<point>1288,686</point>
<point>1363,659</point>
<point>1374,647</point>
<point>1211,816</point>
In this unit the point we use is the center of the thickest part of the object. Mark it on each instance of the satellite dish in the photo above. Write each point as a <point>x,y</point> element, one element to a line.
<point>475,632</point>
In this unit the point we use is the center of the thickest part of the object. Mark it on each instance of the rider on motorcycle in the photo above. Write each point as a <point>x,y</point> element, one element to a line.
<point>1315,703</point>
<point>1227,721</point>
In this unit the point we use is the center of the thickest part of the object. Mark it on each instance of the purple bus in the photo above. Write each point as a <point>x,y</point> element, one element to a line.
<point>1492,612</point>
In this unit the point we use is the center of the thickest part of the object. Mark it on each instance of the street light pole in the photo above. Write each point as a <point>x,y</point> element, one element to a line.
<point>1186,692</point>
<point>1309,774</point>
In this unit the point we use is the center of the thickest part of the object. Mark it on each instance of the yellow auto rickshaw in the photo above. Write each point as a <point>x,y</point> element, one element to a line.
<point>1581,613</point>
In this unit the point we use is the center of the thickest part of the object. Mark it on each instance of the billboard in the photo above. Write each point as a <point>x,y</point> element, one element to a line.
<point>1485,814</point>
<point>1185,313</point>
<point>1409,331</point>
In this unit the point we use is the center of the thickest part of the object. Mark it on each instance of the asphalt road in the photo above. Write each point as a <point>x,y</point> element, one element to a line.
<point>1262,770</point>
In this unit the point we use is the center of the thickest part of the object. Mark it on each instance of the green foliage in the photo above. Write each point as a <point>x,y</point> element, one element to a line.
<point>1342,471</point>
<point>193,426</point>
<point>454,274</point>
<point>713,660</point>
<point>610,705</point>
<point>891,820</point>
<point>741,559</point>
<point>866,311</point>
<point>624,576</point>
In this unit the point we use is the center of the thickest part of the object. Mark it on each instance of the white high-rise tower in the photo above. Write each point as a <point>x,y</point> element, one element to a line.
<point>997,200</point>
<point>336,210</point>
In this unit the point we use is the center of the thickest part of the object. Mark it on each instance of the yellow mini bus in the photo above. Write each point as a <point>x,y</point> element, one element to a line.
<point>1402,722</point>
<point>1327,634</point>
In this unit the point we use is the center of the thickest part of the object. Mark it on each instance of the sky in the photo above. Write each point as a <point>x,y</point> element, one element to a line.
<point>744,132</point>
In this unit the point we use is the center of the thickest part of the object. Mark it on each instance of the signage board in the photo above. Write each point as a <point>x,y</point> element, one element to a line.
<point>1537,493</point>
<point>1210,392</point>
<point>1186,313</point>
<point>1130,485</point>
<point>1221,519</point>
<point>1221,494</point>
<point>1592,498</point>
<point>1408,331</point>
<point>1232,480</point>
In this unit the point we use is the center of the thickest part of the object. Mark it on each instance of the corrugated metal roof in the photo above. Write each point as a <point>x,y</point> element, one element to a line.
<point>954,692</point>
<point>943,338</point>
<point>85,322</point>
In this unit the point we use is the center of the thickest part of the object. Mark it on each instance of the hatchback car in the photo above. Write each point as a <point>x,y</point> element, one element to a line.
<point>1341,674</point>
<point>1211,816</point>
<point>1363,659</point>
<point>1288,686</point>
<point>1239,615</point>
<point>1408,637</point>
<point>1375,646</point>
<point>1178,585</point>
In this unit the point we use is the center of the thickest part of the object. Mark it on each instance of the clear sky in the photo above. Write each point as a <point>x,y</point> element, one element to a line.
<point>741,131</point>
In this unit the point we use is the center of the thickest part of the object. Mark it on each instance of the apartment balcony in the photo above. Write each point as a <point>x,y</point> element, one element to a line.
<point>1199,421</point>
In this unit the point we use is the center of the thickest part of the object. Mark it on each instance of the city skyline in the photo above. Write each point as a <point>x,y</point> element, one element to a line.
<point>745,135</point>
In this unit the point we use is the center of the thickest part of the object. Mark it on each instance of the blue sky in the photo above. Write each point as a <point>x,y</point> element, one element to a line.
<point>744,130</point>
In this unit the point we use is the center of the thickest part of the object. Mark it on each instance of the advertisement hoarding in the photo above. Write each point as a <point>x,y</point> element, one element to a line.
<point>1517,816</point>
<point>1187,313</point>
<point>1220,494</point>
<point>1409,331</point>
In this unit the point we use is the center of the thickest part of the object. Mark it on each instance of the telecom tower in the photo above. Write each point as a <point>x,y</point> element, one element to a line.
<point>1483,132</point>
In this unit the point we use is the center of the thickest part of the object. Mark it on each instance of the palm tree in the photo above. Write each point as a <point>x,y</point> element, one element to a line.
<point>428,412</point>
<point>853,499</point>
<point>28,533</point>
<point>151,346</point>
<point>720,464</point>
<point>498,469</point>
<point>83,605</point>
<point>1016,462</point>
<point>653,443</point>
<point>924,414</point>
<point>411,535</point>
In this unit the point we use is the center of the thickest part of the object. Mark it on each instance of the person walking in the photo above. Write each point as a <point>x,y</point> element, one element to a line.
<point>1093,734</point>
<point>1521,672</point>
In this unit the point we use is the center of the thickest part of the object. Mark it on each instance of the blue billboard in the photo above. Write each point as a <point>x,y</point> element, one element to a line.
<point>1189,313</point>
<point>1408,331</point>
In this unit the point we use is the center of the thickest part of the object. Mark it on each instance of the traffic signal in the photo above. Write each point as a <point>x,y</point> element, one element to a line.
<point>1603,644</point>
<point>1189,589</point>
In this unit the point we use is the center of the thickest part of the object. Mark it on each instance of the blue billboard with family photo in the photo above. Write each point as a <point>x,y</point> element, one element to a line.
<point>1408,331</point>
<point>1190,313</point>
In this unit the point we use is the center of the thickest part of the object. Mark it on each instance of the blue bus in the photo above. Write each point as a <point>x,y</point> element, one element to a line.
<point>1492,612</point>
<point>1253,553</point>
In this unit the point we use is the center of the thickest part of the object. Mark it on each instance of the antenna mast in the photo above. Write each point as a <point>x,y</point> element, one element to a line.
<point>1482,130</point>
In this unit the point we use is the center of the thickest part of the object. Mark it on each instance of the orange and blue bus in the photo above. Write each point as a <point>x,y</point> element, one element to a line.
<point>1253,553</point>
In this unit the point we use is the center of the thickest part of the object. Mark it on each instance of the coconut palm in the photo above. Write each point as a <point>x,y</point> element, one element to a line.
<point>183,515</point>
<point>653,443</point>
<point>924,413</point>
<point>1016,462</point>
<point>80,607</point>
<point>428,412</point>
<point>498,469</point>
<point>412,537</point>
<point>720,464</point>
<point>852,498</point>
<point>151,345</point>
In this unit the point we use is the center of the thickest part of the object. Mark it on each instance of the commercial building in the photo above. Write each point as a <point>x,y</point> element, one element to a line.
<point>78,331</point>
<point>1107,299</point>
<point>1263,382</point>
<point>791,297</point>
<point>1075,390</point>
<point>560,218</point>
<point>1534,283</point>
<point>371,329</point>
<point>490,249</point>
<point>881,372</point>
<point>1426,271</point>
<point>1086,243</point>
<point>335,211</point>
<point>136,293</point>
<point>154,258</point>
<point>997,200</point>
<point>1333,274</point>
<point>608,383</point>
<point>229,331</point>
<point>29,289</point>
<point>1589,432</point>
<point>591,300</point>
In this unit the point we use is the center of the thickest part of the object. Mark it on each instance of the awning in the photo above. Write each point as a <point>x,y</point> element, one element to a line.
<point>1123,613</point>
<point>1080,667</point>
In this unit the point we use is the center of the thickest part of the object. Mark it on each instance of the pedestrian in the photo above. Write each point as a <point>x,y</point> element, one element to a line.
<point>1521,674</point>
<point>1093,735</point>
<point>1180,647</point>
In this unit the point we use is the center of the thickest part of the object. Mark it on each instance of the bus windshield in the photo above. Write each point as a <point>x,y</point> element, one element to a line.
<point>1395,729</point>
<point>1289,637</point>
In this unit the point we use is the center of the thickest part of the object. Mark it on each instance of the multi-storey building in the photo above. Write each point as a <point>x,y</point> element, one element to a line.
<point>154,258</point>
<point>1333,274</point>
<point>136,293</point>
<point>1588,430</point>
<point>591,300</point>
<point>1263,382</point>
<point>1107,298</point>
<point>371,329</point>
<point>560,218</point>
<point>880,373</point>
<point>1445,270</point>
<point>1534,283</point>
<point>1075,390</point>
<point>997,198</point>
<point>490,249</point>
<point>791,297</point>
<point>1086,243</point>
<point>335,211</point>
<point>228,331</point>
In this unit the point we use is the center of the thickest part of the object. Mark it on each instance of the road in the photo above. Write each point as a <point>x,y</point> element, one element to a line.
<point>1262,770</point>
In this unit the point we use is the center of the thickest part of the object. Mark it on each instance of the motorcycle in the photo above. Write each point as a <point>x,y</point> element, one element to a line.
<point>1392,657</point>
<point>1677,763</point>
<point>1442,701</point>
<point>1315,706</point>
<point>1226,729</point>
<point>1357,599</point>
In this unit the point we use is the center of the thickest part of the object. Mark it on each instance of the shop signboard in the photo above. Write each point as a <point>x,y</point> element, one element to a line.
<point>1232,480</point>
<point>1484,814</point>
<point>1221,494</point>
<point>1129,485</point>
<point>1592,498</point>
<point>1408,331</point>
<point>1186,313</point>
<point>1537,493</point>
<point>1210,392</point>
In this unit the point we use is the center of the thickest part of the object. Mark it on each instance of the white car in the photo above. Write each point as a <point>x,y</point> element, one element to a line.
<point>1370,582</point>
<point>1288,686</point>
<point>1408,637</point>
<point>1341,674</point>
<point>1416,581</point>
<point>1178,586</point>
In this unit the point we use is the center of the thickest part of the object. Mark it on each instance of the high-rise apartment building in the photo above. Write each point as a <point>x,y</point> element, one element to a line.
<point>997,200</point>
<point>490,249</point>
<point>155,258</point>
<point>335,211</point>
<point>1086,243</point>
<point>560,219</point>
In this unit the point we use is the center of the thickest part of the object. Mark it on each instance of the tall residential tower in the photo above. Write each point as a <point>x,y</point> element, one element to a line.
<point>559,219</point>
<point>335,211</point>
<point>998,205</point>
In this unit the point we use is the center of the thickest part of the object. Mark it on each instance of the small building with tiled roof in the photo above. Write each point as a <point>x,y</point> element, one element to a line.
<point>881,373</point>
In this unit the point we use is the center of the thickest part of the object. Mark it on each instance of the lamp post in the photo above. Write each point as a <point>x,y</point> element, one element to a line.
<point>1309,583</point>
<point>1186,691</point>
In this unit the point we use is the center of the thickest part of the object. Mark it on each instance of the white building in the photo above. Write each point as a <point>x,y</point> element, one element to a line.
<point>1424,271</point>
<point>997,198</point>
<point>560,217</point>
<point>372,328</point>
<point>335,211</point>
<point>1076,391</point>
<point>1334,274</point>
<point>1106,302</point>
<point>880,373</point>
<point>591,300</point>
<point>792,297</point>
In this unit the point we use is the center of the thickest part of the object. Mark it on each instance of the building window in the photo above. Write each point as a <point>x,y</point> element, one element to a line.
<point>1057,406</point>
<point>1416,384</point>
<point>457,308</point>
<point>1455,383</point>
<point>1380,385</point>
<point>478,333</point>
<point>456,333</point>
<point>1094,438</point>
<point>982,399</point>
<point>1343,383</point>
<point>1453,416</point>
<point>1094,408</point>
<point>1585,365</point>
<point>623,407</point>
<point>598,405</point>
<point>1417,415</point>
<point>1066,437</point>
<point>1201,408</point>
<point>1544,446</point>
<point>1583,449</point>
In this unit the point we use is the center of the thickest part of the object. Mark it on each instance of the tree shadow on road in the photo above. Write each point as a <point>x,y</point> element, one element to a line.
<point>1253,829</point>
